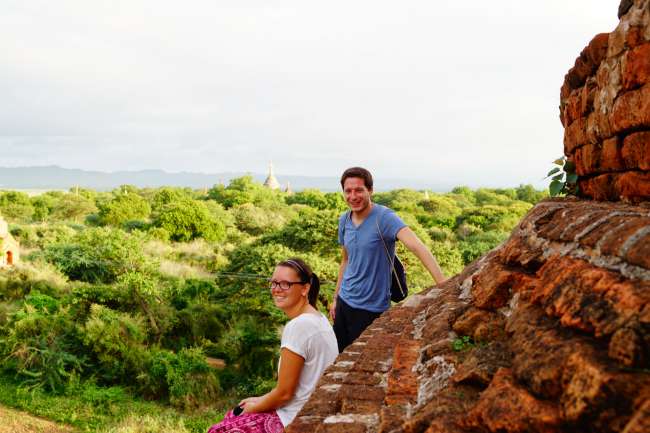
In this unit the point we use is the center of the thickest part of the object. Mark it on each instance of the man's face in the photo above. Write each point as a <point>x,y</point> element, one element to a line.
<point>356,194</point>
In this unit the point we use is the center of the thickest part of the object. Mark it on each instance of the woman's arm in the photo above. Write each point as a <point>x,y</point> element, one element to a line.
<point>290,368</point>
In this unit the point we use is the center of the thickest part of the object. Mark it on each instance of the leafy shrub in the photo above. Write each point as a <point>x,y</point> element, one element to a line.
<point>185,378</point>
<point>243,190</point>
<point>98,255</point>
<point>310,231</point>
<point>71,207</point>
<point>255,220</point>
<point>117,341</point>
<point>24,278</point>
<point>189,219</point>
<point>123,208</point>
<point>15,205</point>
<point>477,244</point>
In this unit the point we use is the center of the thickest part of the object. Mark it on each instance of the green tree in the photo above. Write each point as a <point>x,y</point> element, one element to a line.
<point>255,220</point>
<point>310,231</point>
<point>190,219</point>
<point>72,207</point>
<point>123,208</point>
<point>529,194</point>
<point>15,205</point>
<point>166,195</point>
<point>98,255</point>
<point>243,190</point>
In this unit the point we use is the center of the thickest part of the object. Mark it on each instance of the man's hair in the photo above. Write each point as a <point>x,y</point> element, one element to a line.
<point>359,172</point>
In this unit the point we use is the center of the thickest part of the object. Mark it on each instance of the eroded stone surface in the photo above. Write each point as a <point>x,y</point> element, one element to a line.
<point>549,333</point>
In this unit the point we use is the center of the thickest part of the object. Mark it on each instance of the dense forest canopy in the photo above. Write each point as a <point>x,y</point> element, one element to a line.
<point>137,289</point>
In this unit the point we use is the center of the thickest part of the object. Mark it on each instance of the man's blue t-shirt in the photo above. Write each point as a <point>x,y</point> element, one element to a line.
<point>366,280</point>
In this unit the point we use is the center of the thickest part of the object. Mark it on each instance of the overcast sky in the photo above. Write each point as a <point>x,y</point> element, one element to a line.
<point>465,91</point>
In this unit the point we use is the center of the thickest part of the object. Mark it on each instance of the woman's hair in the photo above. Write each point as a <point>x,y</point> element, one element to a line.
<point>359,172</point>
<point>306,275</point>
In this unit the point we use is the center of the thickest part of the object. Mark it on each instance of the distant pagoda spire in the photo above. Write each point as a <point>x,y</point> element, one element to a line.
<point>271,182</point>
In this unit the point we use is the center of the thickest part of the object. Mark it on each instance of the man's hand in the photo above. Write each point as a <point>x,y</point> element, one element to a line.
<point>333,309</point>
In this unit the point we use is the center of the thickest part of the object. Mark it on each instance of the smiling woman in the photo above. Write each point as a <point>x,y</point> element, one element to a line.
<point>308,347</point>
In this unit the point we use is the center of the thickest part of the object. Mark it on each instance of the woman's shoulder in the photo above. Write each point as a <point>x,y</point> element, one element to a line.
<point>307,321</point>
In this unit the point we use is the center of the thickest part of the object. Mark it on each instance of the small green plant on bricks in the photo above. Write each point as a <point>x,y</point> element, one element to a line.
<point>564,179</point>
<point>462,343</point>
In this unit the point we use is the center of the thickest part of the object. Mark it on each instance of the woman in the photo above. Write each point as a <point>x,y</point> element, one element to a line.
<point>308,347</point>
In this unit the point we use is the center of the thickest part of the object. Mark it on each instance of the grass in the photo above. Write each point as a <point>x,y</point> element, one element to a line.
<point>13,421</point>
<point>182,270</point>
<point>106,410</point>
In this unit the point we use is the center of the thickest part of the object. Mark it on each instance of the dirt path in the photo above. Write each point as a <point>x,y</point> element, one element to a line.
<point>14,421</point>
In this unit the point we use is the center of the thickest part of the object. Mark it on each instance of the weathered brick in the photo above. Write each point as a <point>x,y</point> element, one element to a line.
<point>507,406</point>
<point>612,242</point>
<point>634,36</point>
<point>343,427</point>
<point>636,151</point>
<point>640,421</point>
<point>633,186</point>
<point>592,238</point>
<point>579,222</point>
<point>575,135</point>
<point>321,404</point>
<point>601,187</point>
<point>639,252</point>
<point>392,418</point>
<point>627,347</point>
<point>304,424</point>
<point>586,297</point>
<point>573,107</point>
<point>361,406</point>
<point>636,67</point>
<point>402,380</point>
<point>493,289</point>
<point>359,378</point>
<point>481,325</point>
<point>631,110</point>
<point>361,392</point>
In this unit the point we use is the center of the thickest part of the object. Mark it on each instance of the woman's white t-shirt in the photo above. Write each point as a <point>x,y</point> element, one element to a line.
<point>310,336</point>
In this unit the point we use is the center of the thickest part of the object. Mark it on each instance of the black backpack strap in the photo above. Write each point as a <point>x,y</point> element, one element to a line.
<point>345,222</point>
<point>390,262</point>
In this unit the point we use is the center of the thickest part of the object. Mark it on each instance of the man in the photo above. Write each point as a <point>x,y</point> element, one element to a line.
<point>363,285</point>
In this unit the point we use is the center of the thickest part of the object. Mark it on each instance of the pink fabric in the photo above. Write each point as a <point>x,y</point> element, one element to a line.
<point>264,422</point>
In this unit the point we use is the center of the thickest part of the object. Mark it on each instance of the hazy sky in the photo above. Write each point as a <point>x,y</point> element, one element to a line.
<point>465,91</point>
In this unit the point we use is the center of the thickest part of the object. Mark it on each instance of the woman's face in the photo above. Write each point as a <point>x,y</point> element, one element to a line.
<point>295,295</point>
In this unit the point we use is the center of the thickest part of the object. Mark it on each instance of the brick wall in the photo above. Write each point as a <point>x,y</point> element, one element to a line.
<point>605,109</point>
<point>559,321</point>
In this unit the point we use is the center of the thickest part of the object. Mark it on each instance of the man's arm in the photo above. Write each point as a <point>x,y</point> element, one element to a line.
<point>415,245</point>
<point>339,280</point>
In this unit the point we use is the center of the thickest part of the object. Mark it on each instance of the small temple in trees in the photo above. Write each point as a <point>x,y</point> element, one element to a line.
<point>9,248</point>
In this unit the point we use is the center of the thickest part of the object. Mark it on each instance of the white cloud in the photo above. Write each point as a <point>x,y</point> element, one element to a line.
<point>464,90</point>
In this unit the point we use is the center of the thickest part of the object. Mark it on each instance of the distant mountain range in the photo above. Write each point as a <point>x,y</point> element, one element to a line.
<point>54,177</point>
